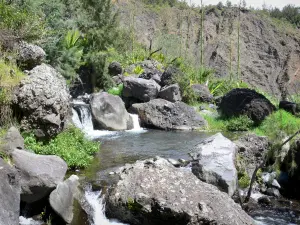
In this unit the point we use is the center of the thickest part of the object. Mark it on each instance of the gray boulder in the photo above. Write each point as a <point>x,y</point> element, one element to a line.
<point>202,92</point>
<point>115,68</point>
<point>40,174</point>
<point>12,140</point>
<point>142,89</point>
<point>109,112</point>
<point>154,192</point>
<point>29,55</point>
<point>214,162</point>
<point>169,75</point>
<point>251,150</point>
<point>42,99</point>
<point>62,198</point>
<point>170,93</point>
<point>243,101</point>
<point>9,195</point>
<point>162,114</point>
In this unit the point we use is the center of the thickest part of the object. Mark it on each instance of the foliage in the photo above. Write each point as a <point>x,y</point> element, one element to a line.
<point>116,90</point>
<point>291,13</point>
<point>244,179</point>
<point>70,145</point>
<point>240,123</point>
<point>138,70</point>
<point>220,87</point>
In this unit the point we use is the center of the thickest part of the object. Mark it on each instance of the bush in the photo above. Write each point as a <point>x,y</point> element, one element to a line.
<point>241,123</point>
<point>70,145</point>
<point>116,90</point>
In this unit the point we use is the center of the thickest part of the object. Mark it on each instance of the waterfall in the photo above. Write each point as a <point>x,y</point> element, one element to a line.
<point>96,201</point>
<point>136,123</point>
<point>29,221</point>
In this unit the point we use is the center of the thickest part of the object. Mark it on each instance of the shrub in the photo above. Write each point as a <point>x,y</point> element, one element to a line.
<point>70,145</point>
<point>241,123</point>
<point>244,179</point>
<point>220,87</point>
<point>116,90</point>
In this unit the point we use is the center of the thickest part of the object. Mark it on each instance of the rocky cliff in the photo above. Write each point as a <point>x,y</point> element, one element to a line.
<point>269,49</point>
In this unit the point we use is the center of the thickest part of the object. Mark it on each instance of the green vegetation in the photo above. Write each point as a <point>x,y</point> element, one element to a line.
<point>116,90</point>
<point>70,145</point>
<point>244,179</point>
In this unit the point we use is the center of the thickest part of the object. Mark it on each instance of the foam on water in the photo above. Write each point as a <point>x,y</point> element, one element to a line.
<point>29,221</point>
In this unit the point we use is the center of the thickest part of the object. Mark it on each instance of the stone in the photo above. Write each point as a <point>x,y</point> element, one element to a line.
<point>243,101</point>
<point>29,55</point>
<point>170,93</point>
<point>290,107</point>
<point>142,89</point>
<point>202,92</point>
<point>109,112</point>
<point>162,114</point>
<point>264,200</point>
<point>169,75</point>
<point>42,100</point>
<point>214,162</point>
<point>276,184</point>
<point>115,68</point>
<point>174,162</point>
<point>154,192</point>
<point>9,195</point>
<point>39,174</point>
<point>62,198</point>
<point>12,140</point>
<point>273,192</point>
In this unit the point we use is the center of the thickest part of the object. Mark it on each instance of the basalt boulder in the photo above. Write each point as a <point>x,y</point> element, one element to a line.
<point>154,192</point>
<point>202,92</point>
<point>243,101</point>
<point>170,93</point>
<point>162,114</point>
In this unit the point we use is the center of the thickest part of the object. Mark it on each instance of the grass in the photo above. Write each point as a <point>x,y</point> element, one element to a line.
<point>70,145</point>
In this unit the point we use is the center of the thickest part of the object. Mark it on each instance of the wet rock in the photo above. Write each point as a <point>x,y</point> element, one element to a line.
<point>162,114</point>
<point>202,92</point>
<point>275,184</point>
<point>9,195</point>
<point>242,101</point>
<point>42,99</point>
<point>214,162</point>
<point>264,200</point>
<point>174,162</point>
<point>142,89</point>
<point>170,93</point>
<point>109,112</point>
<point>154,192</point>
<point>62,198</point>
<point>40,174</point>
<point>272,192</point>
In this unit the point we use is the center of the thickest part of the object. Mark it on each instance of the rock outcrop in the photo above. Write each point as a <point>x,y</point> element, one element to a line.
<point>214,162</point>
<point>42,101</point>
<point>62,198</point>
<point>109,112</point>
<point>202,92</point>
<point>9,195</point>
<point>242,101</point>
<point>162,114</point>
<point>39,174</point>
<point>142,89</point>
<point>169,75</point>
<point>154,192</point>
<point>170,93</point>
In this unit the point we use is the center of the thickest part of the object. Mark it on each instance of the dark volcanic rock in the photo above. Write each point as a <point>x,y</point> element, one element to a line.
<point>115,68</point>
<point>170,93</point>
<point>202,92</point>
<point>289,107</point>
<point>162,114</point>
<point>168,77</point>
<point>242,101</point>
<point>9,195</point>
<point>154,192</point>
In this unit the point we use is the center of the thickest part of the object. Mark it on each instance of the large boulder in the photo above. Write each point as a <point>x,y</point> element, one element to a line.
<point>142,89</point>
<point>40,174</point>
<point>169,75</point>
<point>154,192</point>
<point>9,195</point>
<point>243,101</point>
<point>11,141</point>
<point>214,162</point>
<point>115,69</point>
<point>29,55</point>
<point>162,114</point>
<point>289,107</point>
<point>62,198</point>
<point>251,151</point>
<point>109,112</point>
<point>151,70</point>
<point>202,92</point>
<point>170,93</point>
<point>42,101</point>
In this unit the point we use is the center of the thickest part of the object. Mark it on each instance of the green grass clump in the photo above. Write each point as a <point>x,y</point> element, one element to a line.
<point>116,90</point>
<point>244,179</point>
<point>70,145</point>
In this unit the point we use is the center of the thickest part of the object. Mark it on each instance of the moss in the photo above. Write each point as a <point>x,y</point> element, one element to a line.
<point>133,205</point>
<point>244,179</point>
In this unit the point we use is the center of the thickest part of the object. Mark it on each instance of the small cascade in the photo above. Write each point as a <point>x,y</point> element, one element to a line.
<point>84,115</point>
<point>76,120</point>
<point>96,201</point>
<point>136,123</point>
<point>29,221</point>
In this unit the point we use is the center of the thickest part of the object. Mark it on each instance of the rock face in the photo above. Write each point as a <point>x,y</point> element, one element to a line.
<point>170,93</point>
<point>202,92</point>
<point>162,114</point>
<point>109,112</point>
<point>62,198</point>
<point>9,195</point>
<point>214,162</point>
<point>251,150</point>
<point>142,89</point>
<point>12,140</point>
<point>169,75</point>
<point>40,174</point>
<point>42,99</point>
<point>154,192</point>
<point>29,55</point>
<point>242,101</point>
